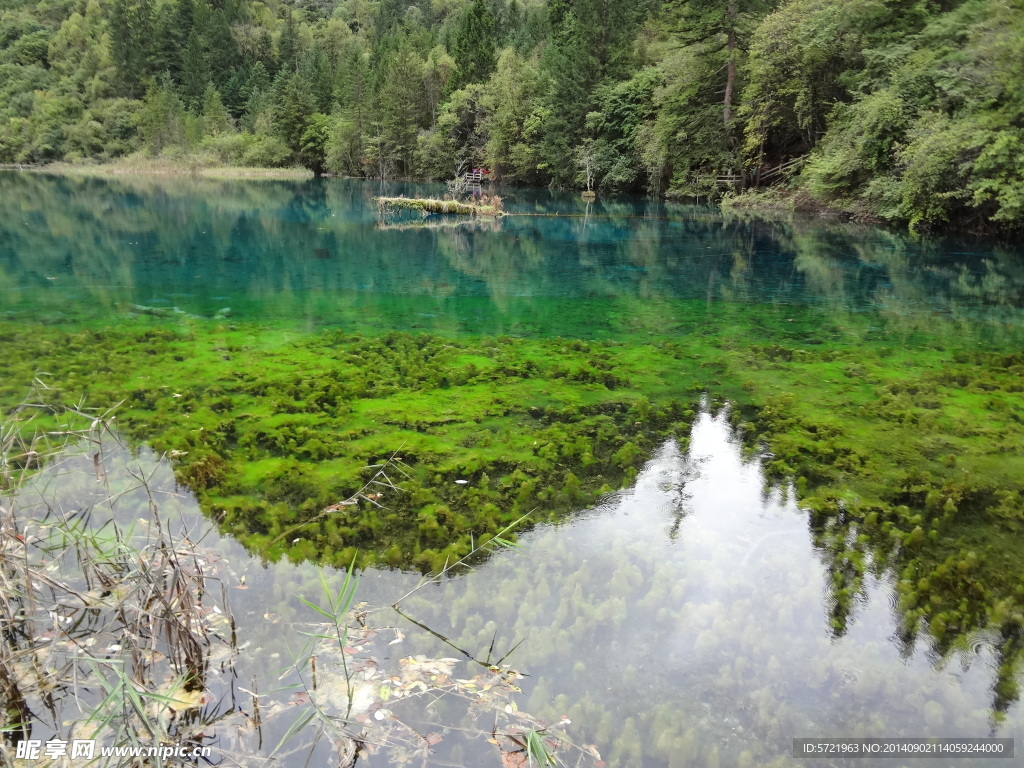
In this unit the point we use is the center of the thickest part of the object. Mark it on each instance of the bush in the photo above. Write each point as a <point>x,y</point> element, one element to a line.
<point>229,148</point>
<point>267,152</point>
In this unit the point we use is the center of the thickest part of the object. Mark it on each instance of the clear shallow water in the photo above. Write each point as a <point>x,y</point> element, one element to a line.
<point>681,622</point>
<point>683,619</point>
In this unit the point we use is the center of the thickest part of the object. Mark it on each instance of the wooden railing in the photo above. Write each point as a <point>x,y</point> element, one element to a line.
<point>468,183</point>
<point>782,169</point>
<point>760,176</point>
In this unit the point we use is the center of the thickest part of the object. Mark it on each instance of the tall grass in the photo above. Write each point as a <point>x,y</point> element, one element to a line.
<point>106,626</point>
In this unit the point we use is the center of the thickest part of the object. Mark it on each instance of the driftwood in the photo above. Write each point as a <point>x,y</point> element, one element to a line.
<point>430,205</point>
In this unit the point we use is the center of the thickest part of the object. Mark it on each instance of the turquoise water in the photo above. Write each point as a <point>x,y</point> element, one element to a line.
<point>315,253</point>
<point>684,621</point>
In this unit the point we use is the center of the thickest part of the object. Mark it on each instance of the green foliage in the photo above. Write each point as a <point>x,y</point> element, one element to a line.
<point>294,111</point>
<point>215,117</point>
<point>910,112</point>
<point>687,139</point>
<point>401,112</point>
<point>933,135</point>
<point>797,59</point>
<point>474,44</point>
<point>343,148</point>
<point>266,151</point>
<point>195,72</point>
<point>511,122</point>
<point>457,140</point>
<point>313,143</point>
<point>131,35</point>
<point>161,120</point>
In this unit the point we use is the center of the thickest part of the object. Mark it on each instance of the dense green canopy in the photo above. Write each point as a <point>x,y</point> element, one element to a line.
<point>910,112</point>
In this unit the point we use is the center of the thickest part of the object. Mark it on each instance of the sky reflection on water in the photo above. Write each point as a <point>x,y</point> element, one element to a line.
<point>684,621</point>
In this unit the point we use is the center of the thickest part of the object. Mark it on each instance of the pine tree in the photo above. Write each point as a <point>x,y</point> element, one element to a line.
<point>513,23</point>
<point>288,48</point>
<point>223,49</point>
<point>402,108</point>
<point>234,93</point>
<point>573,72</point>
<point>167,41</point>
<point>259,80</point>
<point>718,27</point>
<point>474,44</point>
<point>316,69</point>
<point>161,120</point>
<point>294,111</point>
<point>215,117</point>
<point>195,72</point>
<point>263,52</point>
<point>131,32</point>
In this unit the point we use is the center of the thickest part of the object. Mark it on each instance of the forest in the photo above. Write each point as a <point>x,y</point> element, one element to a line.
<point>909,111</point>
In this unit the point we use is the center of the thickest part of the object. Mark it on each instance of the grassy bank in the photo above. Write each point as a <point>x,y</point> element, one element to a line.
<point>162,166</point>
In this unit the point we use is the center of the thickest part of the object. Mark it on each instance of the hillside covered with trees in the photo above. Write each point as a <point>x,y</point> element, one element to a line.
<point>906,111</point>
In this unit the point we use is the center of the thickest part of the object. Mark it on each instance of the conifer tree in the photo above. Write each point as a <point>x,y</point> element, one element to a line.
<point>215,117</point>
<point>294,110</point>
<point>167,42</point>
<point>718,26</point>
<point>258,81</point>
<point>131,32</point>
<point>288,47</point>
<point>223,51</point>
<point>316,70</point>
<point>402,106</point>
<point>572,70</point>
<point>195,72</point>
<point>234,93</point>
<point>263,52</point>
<point>474,44</point>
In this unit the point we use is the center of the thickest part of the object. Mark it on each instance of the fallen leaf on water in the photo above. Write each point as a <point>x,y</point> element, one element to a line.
<point>181,700</point>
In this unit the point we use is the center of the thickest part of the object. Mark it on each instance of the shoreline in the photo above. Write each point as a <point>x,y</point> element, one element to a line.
<point>150,167</point>
<point>781,200</point>
<point>770,200</point>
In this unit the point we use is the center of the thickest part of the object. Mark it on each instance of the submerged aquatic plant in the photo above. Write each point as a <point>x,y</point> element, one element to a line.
<point>114,633</point>
<point>913,451</point>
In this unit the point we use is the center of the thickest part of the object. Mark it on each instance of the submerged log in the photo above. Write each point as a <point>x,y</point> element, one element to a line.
<point>431,205</point>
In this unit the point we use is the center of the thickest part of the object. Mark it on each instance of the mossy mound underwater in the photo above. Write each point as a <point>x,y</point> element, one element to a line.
<point>481,432</point>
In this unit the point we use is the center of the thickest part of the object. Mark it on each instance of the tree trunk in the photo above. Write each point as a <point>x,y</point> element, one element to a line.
<point>730,67</point>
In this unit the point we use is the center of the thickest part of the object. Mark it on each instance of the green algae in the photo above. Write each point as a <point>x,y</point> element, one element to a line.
<point>268,431</point>
<point>711,643</point>
<point>907,457</point>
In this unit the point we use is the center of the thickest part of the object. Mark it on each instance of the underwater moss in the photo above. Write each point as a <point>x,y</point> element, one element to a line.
<point>907,457</point>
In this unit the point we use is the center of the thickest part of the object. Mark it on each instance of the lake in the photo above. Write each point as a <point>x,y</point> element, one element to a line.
<point>771,465</point>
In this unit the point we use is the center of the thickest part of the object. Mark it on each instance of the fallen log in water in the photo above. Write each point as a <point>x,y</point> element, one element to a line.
<point>430,205</point>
